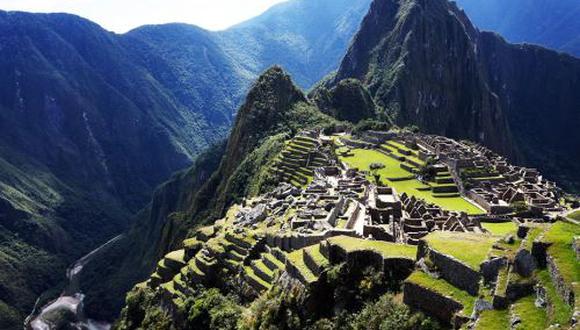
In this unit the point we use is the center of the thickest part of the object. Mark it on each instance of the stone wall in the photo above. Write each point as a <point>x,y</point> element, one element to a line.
<point>295,273</point>
<point>452,270</point>
<point>490,269</point>
<point>432,303</point>
<point>354,216</point>
<point>564,289</point>
<point>540,252</point>
<point>311,264</point>
<point>356,144</point>
<point>333,215</point>
<point>378,233</point>
<point>397,268</point>
<point>297,241</point>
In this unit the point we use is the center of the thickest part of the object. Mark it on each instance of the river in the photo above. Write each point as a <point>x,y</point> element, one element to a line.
<point>70,301</point>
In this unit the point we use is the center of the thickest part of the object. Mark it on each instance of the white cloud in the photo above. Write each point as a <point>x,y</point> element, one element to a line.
<point>123,15</point>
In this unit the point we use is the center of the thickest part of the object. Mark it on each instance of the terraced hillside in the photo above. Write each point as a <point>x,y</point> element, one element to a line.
<point>346,235</point>
<point>298,161</point>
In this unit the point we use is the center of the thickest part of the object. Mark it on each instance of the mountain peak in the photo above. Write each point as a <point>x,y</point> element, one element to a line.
<point>272,95</point>
<point>409,53</point>
<point>424,62</point>
<point>273,91</point>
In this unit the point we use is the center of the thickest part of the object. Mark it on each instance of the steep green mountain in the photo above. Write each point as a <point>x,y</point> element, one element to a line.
<point>427,65</point>
<point>192,65</point>
<point>552,24</point>
<point>274,109</point>
<point>91,122</point>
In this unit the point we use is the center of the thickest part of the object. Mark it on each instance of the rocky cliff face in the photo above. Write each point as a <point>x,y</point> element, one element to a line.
<point>425,63</point>
<point>419,61</point>
<point>538,92</point>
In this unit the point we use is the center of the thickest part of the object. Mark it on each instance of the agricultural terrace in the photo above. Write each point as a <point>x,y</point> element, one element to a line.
<point>470,248</point>
<point>500,228</point>
<point>561,235</point>
<point>575,215</point>
<point>404,182</point>
<point>443,288</point>
<point>386,249</point>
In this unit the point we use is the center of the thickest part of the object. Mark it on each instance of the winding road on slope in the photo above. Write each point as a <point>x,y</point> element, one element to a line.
<point>71,300</point>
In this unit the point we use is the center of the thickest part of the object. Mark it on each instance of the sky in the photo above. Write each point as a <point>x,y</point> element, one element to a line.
<point>123,15</point>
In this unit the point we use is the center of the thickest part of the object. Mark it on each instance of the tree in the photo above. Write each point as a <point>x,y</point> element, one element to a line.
<point>212,310</point>
<point>386,314</point>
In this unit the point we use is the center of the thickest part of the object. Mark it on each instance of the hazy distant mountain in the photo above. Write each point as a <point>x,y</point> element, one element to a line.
<point>91,121</point>
<point>307,38</point>
<point>553,24</point>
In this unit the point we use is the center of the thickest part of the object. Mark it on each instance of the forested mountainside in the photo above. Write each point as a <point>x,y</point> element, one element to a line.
<point>552,24</point>
<point>91,122</point>
<point>85,137</point>
<point>294,34</point>
<point>425,63</point>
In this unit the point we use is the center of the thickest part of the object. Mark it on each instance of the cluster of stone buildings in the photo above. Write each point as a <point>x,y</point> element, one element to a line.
<point>321,207</point>
<point>341,201</point>
<point>490,181</point>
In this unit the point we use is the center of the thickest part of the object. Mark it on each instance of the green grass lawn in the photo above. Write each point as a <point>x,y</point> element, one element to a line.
<point>363,158</point>
<point>413,157</point>
<point>341,224</point>
<point>177,256</point>
<point>273,260</point>
<point>575,215</point>
<point>493,320</point>
<point>296,258</point>
<point>262,267</point>
<point>500,229</point>
<point>533,318</point>
<point>470,248</point>
<point>561,235</point>
<point>533,233</point>
<point>314,252</point>
<point>386,249</point>
<point>444,288</point>
<point>250,272</point>
<point>191,243</point>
